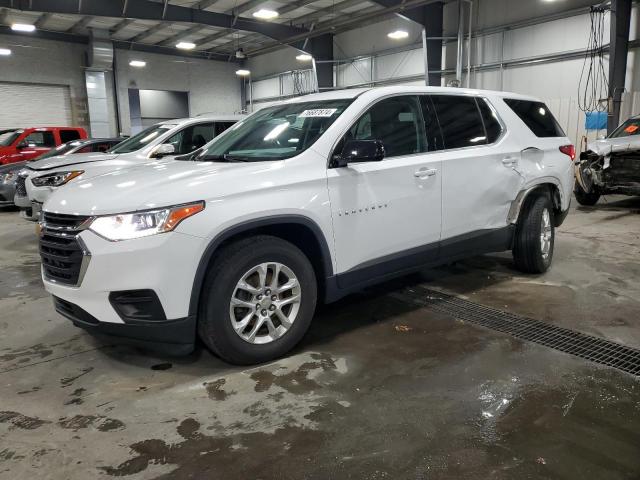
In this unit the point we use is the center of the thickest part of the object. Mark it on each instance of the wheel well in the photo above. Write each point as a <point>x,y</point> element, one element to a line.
<point>550,190</point>
<point>300,235</point>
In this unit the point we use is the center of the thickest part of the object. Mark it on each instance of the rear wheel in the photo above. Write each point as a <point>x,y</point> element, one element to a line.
<point>585,198</point>
<point>535,236</point>
<point>258,300</point>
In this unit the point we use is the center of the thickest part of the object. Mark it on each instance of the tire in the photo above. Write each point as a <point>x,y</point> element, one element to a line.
<point>529,253</point>
<point>587,199</point>
<point>217,317</point>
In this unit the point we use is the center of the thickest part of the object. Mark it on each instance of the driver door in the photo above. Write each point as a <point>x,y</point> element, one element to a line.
<point>387,214</point>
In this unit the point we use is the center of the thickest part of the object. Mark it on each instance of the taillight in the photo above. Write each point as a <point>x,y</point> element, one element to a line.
<point>569,150</point>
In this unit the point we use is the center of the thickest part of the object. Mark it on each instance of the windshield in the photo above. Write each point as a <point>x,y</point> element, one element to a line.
<point>63,149</point>
<point>7,137</point>
<point>275,133</point>
<point>142,139</point>
<point>627,129</point>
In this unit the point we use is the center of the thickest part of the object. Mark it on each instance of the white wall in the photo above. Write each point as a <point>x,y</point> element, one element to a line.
<point>213,86</point>
<point>47,62</point>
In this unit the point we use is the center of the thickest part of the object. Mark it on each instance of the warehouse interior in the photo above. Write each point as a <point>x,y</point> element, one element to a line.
<point>469,369</point>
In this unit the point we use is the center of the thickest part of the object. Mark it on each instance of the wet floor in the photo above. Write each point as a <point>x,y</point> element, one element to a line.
<point>381,387</point>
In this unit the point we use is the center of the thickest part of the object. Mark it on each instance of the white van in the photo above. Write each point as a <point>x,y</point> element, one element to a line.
<point>301,202</point>
<point>174,137</point>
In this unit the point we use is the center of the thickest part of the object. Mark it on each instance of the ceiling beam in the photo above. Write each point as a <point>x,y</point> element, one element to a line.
<point>171,41</point>
<point>149,32</point>
<point>42,19</point>
<point>229,31</point>
<point>121,25</point>
<point>202,4</point>
<point>149,10</point>
<point>415,14</point>
<point>80,24</point>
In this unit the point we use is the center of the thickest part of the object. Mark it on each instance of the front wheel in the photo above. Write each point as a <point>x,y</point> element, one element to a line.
<point>535,236</point>
<point>258,300</point>
<point>585,198</point>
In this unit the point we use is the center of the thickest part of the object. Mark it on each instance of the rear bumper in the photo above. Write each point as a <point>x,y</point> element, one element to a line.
<point>171,337</point>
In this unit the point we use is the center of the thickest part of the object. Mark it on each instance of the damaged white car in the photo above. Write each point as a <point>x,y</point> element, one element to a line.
<point>610,165</point>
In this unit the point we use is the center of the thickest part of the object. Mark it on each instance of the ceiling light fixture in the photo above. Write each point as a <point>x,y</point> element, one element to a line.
<point>304,57</point>
<point>242,72</point>
<point>138,63</point>
<point>398,34</point>
<point>185,45</point>
<point>22,27</point>
<point>265,14</point>
<point>5,51</point>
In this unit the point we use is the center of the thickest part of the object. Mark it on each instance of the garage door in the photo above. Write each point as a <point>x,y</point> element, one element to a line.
<point>32,105</point>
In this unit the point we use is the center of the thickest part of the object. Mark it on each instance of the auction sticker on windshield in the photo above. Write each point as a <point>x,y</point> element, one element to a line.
<point>318,112</point>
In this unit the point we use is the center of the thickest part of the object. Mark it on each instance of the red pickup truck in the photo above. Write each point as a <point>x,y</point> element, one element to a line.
<point>19,144</point>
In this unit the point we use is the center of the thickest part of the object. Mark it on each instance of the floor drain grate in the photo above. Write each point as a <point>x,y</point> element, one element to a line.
<point>591,348</point>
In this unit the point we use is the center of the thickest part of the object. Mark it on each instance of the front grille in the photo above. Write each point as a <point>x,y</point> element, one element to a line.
<point>63,255</point>
<point>21,187</point>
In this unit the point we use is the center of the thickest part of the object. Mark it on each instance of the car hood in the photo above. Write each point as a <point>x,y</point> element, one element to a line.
<point>158,184</point>
<point>68,160</point>
<point>609,145</point>
<point>12,166</point>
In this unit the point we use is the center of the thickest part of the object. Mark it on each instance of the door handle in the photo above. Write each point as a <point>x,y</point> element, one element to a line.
<point>425,172</point>
<point>510,162</point>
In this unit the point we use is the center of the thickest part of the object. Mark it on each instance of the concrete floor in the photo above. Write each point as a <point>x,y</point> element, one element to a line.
<point>380,388</point>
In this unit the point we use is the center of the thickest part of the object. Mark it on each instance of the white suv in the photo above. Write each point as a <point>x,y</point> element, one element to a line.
<point>301,202</point>
<point>40,178</point>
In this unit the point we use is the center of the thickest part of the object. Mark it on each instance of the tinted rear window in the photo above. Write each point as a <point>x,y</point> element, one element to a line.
<point>460,121</point>
<point>536,116</point>
<point>69,135</point>
<point>491,123</point>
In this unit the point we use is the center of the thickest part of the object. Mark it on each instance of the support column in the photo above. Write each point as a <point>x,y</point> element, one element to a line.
<point>430,17</point>
<point>618,51</point>
<point>322,49</point>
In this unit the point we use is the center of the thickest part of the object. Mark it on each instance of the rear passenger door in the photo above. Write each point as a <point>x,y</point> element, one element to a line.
<point>479,181</point>
<point>386,214</point>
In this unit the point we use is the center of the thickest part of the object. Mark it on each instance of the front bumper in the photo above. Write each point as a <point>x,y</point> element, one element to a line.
<point>7,192</point>
<point>29,210</point>
<point>165,264</point>
<point>173,337</point>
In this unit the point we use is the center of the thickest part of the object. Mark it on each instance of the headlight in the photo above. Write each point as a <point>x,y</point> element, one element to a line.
<point>55,179</point>
<point>143,224</point>
<point>9,176</point>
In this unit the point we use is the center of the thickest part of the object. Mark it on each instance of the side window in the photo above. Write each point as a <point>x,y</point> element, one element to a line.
<point>87,149</point>
<point>41,139</point>
<point>69,135</point>
<point>191,138</point>
<point>537,116</point>
<point>396,122</point>
<point>460,121</point>
<point>222,126</point>
<point>491,124</point>
<point>101,147</point>
<point>431,125</point>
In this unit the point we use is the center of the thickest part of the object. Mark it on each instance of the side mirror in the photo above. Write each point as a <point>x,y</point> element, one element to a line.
<point>22,145</point>
<point>356,151</point>
<point>163,150</point>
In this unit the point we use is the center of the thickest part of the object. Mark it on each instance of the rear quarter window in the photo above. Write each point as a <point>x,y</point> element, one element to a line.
<point>460,121</point>
<point>536,116</point>
<point>69,135</point>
